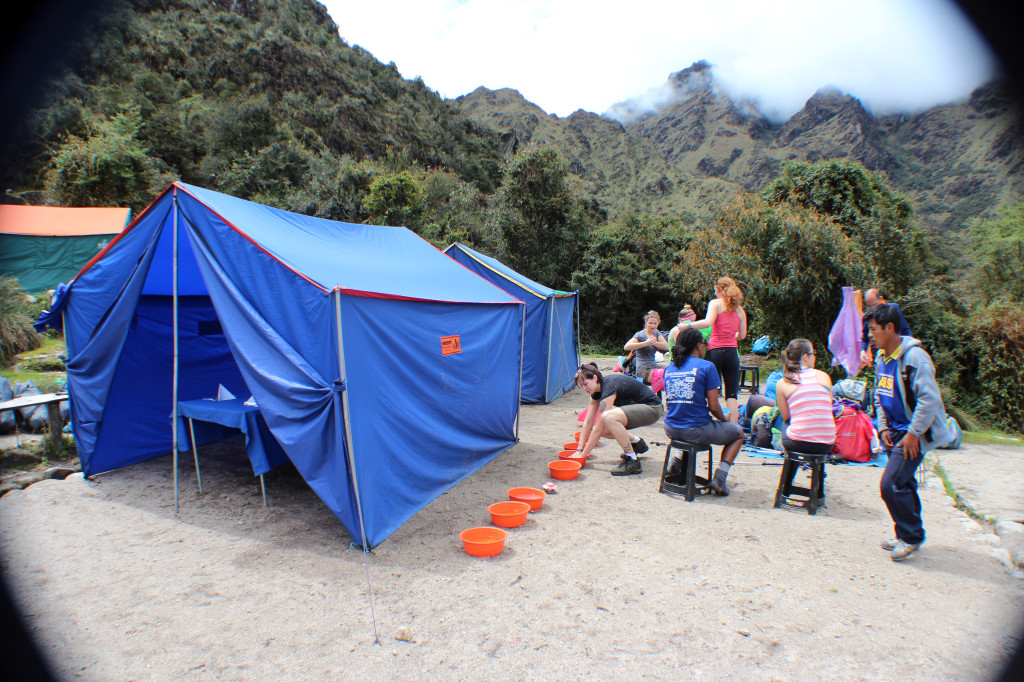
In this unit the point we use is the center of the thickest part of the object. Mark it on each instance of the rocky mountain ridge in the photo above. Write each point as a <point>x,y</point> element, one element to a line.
<point>956,161</point>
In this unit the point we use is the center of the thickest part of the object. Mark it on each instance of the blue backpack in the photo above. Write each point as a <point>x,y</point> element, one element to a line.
<point>958,435</point>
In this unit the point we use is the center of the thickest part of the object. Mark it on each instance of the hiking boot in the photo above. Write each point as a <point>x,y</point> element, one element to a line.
<point>640,447</point>
<point>719,488</point>
<point>902,550</point>
<point>890,545</point>
<point>627,466</point>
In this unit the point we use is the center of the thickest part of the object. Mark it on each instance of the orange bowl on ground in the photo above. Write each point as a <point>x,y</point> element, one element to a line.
<point>509,514</point>
<point>577,436</point>
<point>564,469</point>
<point>572,456</point>
<point>483,541</point>
<point>570,446</point>
<point>531,496</point>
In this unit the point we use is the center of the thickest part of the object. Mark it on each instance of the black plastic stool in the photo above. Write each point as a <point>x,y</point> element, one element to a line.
<point>686,482</point>
<point>814,496</point>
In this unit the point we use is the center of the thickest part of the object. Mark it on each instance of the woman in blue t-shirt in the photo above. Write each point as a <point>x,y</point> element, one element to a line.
<point>691,392</point>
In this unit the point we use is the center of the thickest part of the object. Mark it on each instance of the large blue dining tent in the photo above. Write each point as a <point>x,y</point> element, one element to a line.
<point>386,372</point>
<point>551,351</point>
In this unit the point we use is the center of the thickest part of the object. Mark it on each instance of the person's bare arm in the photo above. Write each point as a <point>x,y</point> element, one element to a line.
<point>741,333</point>
<point>710,318</point>
<point>782,402</point>
<point>714,406</point>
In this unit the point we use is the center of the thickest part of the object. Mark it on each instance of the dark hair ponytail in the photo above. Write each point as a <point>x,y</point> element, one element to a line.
<point>791,358</point>
<point>588,370</point>
<point>686,341</point>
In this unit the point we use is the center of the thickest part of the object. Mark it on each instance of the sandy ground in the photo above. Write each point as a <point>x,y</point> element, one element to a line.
<point>610,578</point>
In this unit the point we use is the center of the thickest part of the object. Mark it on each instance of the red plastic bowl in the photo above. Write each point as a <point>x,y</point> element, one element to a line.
<point>531,496</point>
<point>571,446</point>
<point>564,469</point>
<point>483,541</point>
<point>509,514</point>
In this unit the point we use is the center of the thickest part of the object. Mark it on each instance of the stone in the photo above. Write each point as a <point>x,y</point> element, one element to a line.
<point>8,487</point>
<point>403,634</point>
<point>17,457</point>
<point>1018,559</point>
<point>27,478</point>
<point>59,472</point>
<point>1009,529</point>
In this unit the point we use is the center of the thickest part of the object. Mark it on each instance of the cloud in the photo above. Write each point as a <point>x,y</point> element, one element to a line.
<point>563,55</point>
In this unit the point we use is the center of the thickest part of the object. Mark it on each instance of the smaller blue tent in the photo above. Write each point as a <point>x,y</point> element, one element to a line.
<point>386,372</point>
<point>550,342</point>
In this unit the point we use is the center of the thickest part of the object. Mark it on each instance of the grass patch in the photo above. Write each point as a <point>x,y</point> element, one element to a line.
<point>992,438</point>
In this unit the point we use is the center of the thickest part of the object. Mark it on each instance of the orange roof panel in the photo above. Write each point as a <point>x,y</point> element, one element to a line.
<point>56,221</point>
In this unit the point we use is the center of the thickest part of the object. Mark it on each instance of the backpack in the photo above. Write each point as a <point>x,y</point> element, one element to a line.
<point>762,428</point>
<point>762,346</point>
<point>855,390</point>
<point>853,434</point>
<point>958,434</point>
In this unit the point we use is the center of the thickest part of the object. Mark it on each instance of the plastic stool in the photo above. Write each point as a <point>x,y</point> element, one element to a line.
<point>814,496</point>
<point>686,482</point>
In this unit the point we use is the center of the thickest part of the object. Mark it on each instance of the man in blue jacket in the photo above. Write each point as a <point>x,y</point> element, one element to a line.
<point>911,421</point>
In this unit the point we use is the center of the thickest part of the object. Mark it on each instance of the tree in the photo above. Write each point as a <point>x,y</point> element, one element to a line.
<point>109,167</point>
<point>998,270</point>
<point>790,262</point>
<point>627,269</point>
<point>874,215</point>
<point>542,222</point>
<point>394,199</point>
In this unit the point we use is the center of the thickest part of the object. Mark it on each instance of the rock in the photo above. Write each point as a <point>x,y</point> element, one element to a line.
<point>27,478</point>
<point>1018,559</point>
<point>18,458</point>
<point>1009,530</point>
<point>403,634</point>
<point>59,472</point>
<point>8,487</point>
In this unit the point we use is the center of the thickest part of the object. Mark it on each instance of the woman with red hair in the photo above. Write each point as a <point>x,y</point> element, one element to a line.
<point>728,322</point>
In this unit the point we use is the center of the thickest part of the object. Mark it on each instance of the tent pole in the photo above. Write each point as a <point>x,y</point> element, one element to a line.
<point>551,338</point>
<point>519,401</point>
<point>577,307</point>
<point>174,326</point>
<point>352,460</point>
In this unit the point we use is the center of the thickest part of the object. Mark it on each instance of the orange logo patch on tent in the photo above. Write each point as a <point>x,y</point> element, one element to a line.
<point>450,345</point>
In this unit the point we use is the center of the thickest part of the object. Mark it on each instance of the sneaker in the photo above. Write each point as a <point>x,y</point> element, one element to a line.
<point>719,488</point>
<point>675,467</point>
<point>890,545</point>
<point>902,550</point>
<point>627,466</point>
<point>640,447</point>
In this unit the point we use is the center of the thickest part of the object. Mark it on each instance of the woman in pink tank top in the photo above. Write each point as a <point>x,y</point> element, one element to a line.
<point>728,322</point>
<point>805,401</point>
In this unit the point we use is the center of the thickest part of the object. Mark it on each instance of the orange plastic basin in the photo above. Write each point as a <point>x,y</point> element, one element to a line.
<point>531,496</point>
<point>564,470</point>
<point>509,514</point>
<point>572,456</point>
<point>577,435</point>
<point>483,541</point>
<point>571,446</point>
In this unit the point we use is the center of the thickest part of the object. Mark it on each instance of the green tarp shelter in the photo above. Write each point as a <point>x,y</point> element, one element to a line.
<point>45,245</point>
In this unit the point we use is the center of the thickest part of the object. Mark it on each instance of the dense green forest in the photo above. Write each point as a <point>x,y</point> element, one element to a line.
<point>265,101</point>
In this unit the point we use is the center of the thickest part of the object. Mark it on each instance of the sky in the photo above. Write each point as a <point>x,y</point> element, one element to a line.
<point>564,55</point>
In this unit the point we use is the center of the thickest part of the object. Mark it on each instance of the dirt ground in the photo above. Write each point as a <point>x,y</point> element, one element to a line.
<point>610,578</point>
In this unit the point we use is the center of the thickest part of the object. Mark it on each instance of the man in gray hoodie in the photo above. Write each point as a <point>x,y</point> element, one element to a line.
<point>911,421</point>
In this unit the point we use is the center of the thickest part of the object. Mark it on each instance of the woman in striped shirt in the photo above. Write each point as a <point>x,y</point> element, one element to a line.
<point>805,401</point>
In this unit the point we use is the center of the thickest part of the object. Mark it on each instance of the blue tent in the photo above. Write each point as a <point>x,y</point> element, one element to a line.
<point>386,372</point>
<point>550,352</point>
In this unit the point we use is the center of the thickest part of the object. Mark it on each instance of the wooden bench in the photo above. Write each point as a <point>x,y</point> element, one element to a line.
<point>52,402</point>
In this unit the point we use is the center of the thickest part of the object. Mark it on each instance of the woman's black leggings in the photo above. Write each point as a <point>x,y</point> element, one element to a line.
<point>727,362</point>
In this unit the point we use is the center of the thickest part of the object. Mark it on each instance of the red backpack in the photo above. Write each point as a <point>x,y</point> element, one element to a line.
<point>853,435</point>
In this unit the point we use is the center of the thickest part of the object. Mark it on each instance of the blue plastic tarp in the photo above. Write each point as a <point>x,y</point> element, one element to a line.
<point>550,353</point>
<point>263,298</point>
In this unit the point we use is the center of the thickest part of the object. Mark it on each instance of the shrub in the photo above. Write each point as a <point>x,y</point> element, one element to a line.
<point>997,334</point>
<point>16,318</point>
